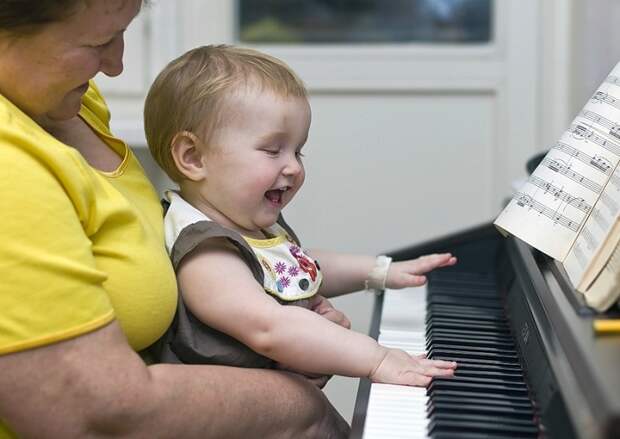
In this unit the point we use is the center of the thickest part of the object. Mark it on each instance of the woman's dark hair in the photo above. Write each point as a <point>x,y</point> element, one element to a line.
<point>23,16</point>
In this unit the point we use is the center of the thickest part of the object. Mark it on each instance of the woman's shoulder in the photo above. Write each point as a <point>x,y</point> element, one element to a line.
<point>23,141</point>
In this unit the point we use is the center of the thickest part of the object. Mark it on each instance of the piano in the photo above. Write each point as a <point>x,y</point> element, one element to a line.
<point>530,364</point>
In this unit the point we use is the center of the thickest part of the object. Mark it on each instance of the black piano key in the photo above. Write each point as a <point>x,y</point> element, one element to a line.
<point>478,408</point>
<point>492,358</point>
<point>442,281</point>
<point>449,384</point>
<point>454,300</point>
<point>477,323</point>
<point>474,293</point>
<point>477,335</point>
<point>478,364</point>
<point>492,398</point>
<point>502,374</point>
<point>489,418</point>
<point>486,423</point>
<point>491,303</point>
<point>462,341</point>
<point>482,429</point>
<point>491,350</point>
<point>466,315</point>
<point>482,399</point>
<point>480,327</point>
<point>468,435</point>
<point>488,380</point>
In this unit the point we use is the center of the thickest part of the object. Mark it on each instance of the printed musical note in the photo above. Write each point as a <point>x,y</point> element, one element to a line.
<point>526,201</point>
<point>602,97</point>
<point>583,132</point>
<point>598,162</point>
<point>564,169</point>
<point>559,194</point>
<point>614,128</point>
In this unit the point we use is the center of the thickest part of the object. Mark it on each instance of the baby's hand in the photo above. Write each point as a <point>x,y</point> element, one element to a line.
<point>398,367</point>
<point>323,307</point>
<point>411,273</point>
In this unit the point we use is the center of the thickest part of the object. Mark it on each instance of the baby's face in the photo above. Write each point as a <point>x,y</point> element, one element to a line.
<point>254,163</point>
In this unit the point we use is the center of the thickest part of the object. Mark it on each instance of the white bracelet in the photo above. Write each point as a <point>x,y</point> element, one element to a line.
<point>378,275</point>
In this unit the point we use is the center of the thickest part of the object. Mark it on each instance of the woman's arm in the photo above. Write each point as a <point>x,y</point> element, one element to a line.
<point>220,290</point>
<point>345,273</point>
<point>95,386</point>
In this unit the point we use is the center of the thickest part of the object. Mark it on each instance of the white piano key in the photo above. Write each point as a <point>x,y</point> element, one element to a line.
<point>404,309</point>
<point>399,412</point>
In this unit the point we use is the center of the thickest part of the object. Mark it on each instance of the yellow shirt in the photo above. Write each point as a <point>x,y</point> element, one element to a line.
<point>78,246</point>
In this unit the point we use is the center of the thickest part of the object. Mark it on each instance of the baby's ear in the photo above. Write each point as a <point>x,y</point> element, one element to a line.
<point>188,155</point>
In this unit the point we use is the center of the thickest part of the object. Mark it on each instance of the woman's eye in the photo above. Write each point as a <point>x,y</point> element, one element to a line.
<point>103,45</point>
<point>100,46</point>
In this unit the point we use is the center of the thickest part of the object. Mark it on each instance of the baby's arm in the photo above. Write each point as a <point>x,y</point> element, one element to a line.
<point>219,290</point>
<point>344,273</point>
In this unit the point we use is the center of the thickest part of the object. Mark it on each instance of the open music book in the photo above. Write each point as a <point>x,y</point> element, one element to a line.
<point>569,208</point>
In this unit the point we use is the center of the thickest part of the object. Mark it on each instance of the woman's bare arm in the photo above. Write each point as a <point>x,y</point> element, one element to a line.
<point>94,386</point>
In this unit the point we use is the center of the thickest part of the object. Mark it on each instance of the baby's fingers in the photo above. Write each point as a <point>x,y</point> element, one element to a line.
<point>428,263</point>
<point>442,364</point>
<point>438,371</point>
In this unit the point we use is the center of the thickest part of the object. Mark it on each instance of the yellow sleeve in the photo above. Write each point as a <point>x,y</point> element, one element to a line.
<point>51,288</point>
<point>95,109</point>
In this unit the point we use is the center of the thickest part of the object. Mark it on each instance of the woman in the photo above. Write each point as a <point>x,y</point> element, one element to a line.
<point>86,280</point>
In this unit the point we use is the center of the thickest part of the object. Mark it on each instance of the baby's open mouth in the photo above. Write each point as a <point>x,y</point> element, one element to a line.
<point>275,195</point>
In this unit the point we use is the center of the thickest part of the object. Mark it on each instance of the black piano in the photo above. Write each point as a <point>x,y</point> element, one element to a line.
<point>530,364</point>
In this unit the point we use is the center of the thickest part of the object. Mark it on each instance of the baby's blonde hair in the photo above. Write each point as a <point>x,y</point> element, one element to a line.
<point>190,92</point>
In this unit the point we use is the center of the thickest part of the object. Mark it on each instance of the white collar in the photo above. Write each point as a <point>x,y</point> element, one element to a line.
<point>179,215</point>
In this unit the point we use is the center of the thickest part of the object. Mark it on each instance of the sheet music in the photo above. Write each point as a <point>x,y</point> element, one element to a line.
<point>570,202</point>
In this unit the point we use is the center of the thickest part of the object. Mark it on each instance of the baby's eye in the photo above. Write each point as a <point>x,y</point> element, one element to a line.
<point>299,154</point>
<point>272,151</point>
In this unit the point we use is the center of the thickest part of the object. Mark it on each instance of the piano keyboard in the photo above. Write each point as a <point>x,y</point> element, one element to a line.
<point>460,317</point>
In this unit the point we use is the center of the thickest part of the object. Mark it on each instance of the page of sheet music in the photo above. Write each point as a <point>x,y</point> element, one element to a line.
<point>552,207</point>
<point>601,122</point>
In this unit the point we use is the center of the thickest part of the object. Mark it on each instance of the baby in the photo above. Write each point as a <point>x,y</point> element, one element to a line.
<point>229,125</point>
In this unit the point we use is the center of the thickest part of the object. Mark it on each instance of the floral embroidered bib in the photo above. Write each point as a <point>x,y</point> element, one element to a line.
<point>289,273</point>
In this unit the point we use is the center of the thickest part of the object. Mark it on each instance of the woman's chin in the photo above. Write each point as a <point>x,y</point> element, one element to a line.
<point>65,111</point>
<point>70,105</point>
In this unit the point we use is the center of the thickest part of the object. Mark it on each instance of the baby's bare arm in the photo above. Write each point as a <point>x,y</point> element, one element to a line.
<point>220,290</point>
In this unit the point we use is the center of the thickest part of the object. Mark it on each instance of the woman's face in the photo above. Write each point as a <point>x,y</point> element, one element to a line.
<point>46,73</point>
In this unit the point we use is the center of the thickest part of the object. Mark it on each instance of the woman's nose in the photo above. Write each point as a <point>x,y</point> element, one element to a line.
<point>112,58</point>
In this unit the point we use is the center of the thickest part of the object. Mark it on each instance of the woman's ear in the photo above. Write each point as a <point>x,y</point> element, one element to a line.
<point>188,156</point>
